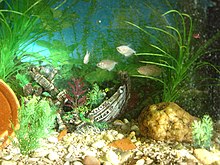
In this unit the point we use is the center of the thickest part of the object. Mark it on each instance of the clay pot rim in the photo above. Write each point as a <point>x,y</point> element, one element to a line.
<point>13,102</point>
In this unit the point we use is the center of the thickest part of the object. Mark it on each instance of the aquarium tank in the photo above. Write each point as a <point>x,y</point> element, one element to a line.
<point>98,64</point>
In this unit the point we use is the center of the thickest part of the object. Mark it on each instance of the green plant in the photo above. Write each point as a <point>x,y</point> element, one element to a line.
<point>174,53</point>
<point>59,53</point>
<point>22,23</point>
<point>100,125</point>
<point>37,119</point>
<point>22,78</point>
<point>202,132</point>
<point>81,104</point>
<point>95,96</point>
<point>67,116</point>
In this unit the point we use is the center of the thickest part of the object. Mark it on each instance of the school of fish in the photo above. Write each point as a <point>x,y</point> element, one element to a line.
<point>108,64</point>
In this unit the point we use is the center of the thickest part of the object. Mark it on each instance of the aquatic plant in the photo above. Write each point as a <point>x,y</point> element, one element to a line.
<point>174,53</point>
<point>36,119</point>
<point>80,100</point>
<point>101,125</point>
<point>95,96</point>
<point>59,53</point>
<point>23,79</point>
<point>22,23</point>
<point>76,94</point>
<point>202,132</point>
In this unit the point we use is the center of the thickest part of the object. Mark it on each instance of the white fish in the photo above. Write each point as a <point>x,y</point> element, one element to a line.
<point>86,58</point>
<point>149,70</point>
<point>125,50</point>
<point>107,64</point>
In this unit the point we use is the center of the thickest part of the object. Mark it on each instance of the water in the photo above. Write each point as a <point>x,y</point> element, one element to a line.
<point>99,26</point>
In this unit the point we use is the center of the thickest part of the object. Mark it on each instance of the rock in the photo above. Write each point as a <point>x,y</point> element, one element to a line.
<point>99,144</point>
<point>125,156</point>
<point>67,163</point>
<point>8,163</point>
<point>90,153</point>
<point>71,149</point>
<point>112,157</point>
<point>139,153</point>
<point>118,123</point>
<point>206,157</point>
<point>8,157</point>
<point>20,163</point>
<point>16,158</point>
<point>40,152</point>
<point>126,121</point>
<point>77,163</point>
<point>120,136</point>
<point>108,137</point>
<point>166,121</point>
<point>33,160</point>
<point>53,156</point>
<point>149,160</point>
<point>132,135</point>
<point>45,160</point>
<point>91,160</point>
<point>107,163</point>
<point>135,128</point>
<point>52,139</point>
<point>140,162</point>
<point>68,156</point>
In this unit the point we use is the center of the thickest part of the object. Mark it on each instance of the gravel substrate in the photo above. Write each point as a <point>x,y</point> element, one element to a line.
<point>91,145</point>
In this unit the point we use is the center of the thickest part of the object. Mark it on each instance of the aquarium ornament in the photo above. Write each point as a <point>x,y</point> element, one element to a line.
<point>112,108</point>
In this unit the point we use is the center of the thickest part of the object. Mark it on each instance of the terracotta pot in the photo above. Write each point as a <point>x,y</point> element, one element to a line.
<point>9,106</point>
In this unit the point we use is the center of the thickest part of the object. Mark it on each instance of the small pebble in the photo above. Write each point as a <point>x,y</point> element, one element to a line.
<point>109,137</point>
<point>77,163</point>
<point>125,156</point>
<point>53,156</point>
<point>140,162</point>
<point>120,136</point>
<point>99,144</point>
<point>149,161</point>
<point>67,163</point>
<point>135,128</point>
<point>107,163</point>
<point>8,157</point>
<point>112,157</point>
<point>40,152</point>
<point>90,153</point>
<point>52,139</point>
<point>139,153</point>
<point>118,123</point>
<point>126,121</point>
<point>8,163</point>
<point>91,160</point>
<point>132,134</point>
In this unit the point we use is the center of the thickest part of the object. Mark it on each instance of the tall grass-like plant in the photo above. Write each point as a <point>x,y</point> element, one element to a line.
<point>20,26</point>
<point>176,55</point>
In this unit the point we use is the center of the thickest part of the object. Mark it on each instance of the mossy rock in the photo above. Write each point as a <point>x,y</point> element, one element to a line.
<point>166,121</point>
